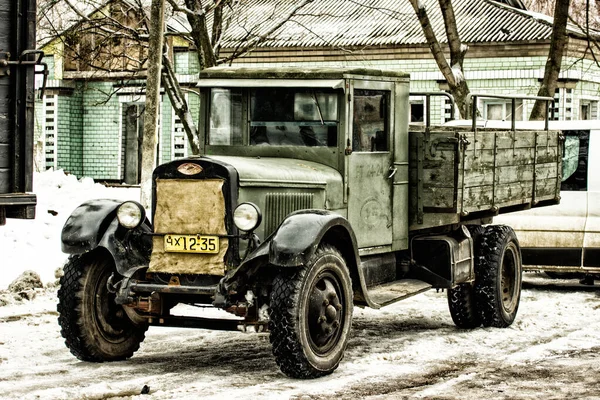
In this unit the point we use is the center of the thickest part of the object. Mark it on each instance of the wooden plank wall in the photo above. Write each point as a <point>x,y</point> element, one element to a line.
<point>462,172</point>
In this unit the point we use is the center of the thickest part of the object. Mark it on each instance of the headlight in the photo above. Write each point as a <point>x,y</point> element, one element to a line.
<point>247,217</point>
<point>131,214</point>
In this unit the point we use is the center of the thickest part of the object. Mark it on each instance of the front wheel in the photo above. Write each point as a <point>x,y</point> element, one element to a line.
<point>498,272</point>
<point>95,328</point>
<point>311,315</point>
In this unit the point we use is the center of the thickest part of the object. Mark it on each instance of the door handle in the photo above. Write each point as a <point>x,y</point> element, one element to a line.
<point>392,171</point>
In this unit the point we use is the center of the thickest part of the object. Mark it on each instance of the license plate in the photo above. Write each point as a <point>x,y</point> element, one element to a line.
<point>191,244</point>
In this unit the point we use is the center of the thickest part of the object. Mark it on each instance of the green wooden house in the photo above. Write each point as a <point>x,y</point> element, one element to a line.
<point>88,121</point>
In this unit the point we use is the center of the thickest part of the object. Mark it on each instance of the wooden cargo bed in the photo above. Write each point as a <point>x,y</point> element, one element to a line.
<point>460,175</point>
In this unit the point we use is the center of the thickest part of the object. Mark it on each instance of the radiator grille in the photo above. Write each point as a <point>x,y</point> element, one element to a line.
<point>189,207</point>
<point>279,205</point>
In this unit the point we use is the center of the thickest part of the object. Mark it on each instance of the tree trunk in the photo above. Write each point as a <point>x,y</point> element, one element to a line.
<point>200,36</point>
<point>555,55</point>
<point>157,18</point>
<point>453,72</point>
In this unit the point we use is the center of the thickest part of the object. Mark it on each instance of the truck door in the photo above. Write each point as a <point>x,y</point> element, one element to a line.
<point>370,162</point>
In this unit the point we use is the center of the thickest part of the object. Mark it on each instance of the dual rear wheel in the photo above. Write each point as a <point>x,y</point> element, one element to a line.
<point>493,299</point>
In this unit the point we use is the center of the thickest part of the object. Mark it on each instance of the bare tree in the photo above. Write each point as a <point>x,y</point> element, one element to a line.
<point>114,40</point>
<point>555,57</point>
<point>207,45</point>
<point>453,71</point>
<point>155,45</point>
<point>582,12</point>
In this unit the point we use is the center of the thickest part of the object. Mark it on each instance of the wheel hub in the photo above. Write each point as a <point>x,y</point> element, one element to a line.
<point>325,313</point>
<point>508,280</point>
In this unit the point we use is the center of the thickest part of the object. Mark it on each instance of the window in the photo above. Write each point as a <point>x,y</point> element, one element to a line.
<point>575,160</point>
<point>225,117</point>
<point>585,111</point>
<point>417,112</point>
<point>502,110</point>
<point>370,127</point>
<point>293,117</point>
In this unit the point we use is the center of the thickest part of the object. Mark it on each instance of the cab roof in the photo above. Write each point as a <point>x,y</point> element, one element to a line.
<point>297,73</point>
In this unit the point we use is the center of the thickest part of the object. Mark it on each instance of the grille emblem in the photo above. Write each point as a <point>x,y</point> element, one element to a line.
<point>189,169</point>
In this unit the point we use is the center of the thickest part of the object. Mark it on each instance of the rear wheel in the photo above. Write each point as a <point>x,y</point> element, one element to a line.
<point>311,315</point>
<point>461,299</point>
<point>498,272</point>
<point>95,328</point>
<point>461,303</point>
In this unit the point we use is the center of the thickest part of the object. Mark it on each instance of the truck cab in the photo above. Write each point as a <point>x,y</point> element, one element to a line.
<point>311,196</point>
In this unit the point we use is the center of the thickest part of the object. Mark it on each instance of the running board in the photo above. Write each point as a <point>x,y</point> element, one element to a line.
<point>388,293</point>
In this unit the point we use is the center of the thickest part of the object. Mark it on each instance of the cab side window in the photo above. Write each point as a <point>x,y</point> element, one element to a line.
<point>575,160</point>
<point>370,125</point>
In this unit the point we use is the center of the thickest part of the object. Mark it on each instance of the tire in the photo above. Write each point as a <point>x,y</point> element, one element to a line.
<point>95,328</point>
<point>476,231</point>
<point>461,302</point>
<point>461,299</point>
<point>498,273</point>
<point>311,315</point>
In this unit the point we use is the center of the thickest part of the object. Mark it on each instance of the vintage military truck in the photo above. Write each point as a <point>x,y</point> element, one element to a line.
<point>311,196</point>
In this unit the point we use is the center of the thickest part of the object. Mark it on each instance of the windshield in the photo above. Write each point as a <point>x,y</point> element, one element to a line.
<point>276,117</point>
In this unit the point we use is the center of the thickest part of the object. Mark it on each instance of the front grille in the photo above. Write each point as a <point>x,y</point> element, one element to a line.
<point>189,207</point>
<point>279,205</point>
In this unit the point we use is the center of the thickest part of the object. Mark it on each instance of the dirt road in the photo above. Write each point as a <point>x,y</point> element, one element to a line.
<point>408,350</point>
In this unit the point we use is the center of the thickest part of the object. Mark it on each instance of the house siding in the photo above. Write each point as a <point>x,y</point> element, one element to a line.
<point>90,130</point>
<point>101,134</point>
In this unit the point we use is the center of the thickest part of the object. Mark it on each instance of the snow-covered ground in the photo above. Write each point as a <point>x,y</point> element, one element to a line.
<point>407,350</point>
<point>35,244</point>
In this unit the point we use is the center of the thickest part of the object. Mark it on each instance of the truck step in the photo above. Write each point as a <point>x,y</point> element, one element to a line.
<point>392,292</point>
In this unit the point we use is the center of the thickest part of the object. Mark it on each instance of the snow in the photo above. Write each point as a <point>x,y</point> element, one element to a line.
<point>35,244</point>
<point>458,74</point>
<point>408,350</point>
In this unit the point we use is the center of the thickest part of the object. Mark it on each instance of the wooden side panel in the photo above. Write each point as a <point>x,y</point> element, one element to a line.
<point>507,169</point>
<point>459,173</point>
<point>440,171</point>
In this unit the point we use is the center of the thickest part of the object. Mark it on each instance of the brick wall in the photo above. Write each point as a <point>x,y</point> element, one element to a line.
<point>76,132</point>
<point>90,123</point>
<point>101,131</point>
<point>166,128</point>
<point>63,139</point>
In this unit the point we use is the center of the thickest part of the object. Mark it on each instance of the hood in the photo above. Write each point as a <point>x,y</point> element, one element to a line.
<point>286,172</point>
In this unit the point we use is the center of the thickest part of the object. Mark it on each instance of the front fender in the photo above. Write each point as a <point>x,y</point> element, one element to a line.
<point>293,245</point>
<point>94,224</point>
<point>299,235</point>
<point>130,249</point>
<point>87,225</point>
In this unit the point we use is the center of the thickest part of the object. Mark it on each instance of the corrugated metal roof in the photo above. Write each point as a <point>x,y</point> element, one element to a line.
<point>342,23</point>
<point>352,23</point>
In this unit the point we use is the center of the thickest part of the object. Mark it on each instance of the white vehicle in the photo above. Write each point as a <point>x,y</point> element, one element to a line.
<point>564,239</point>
